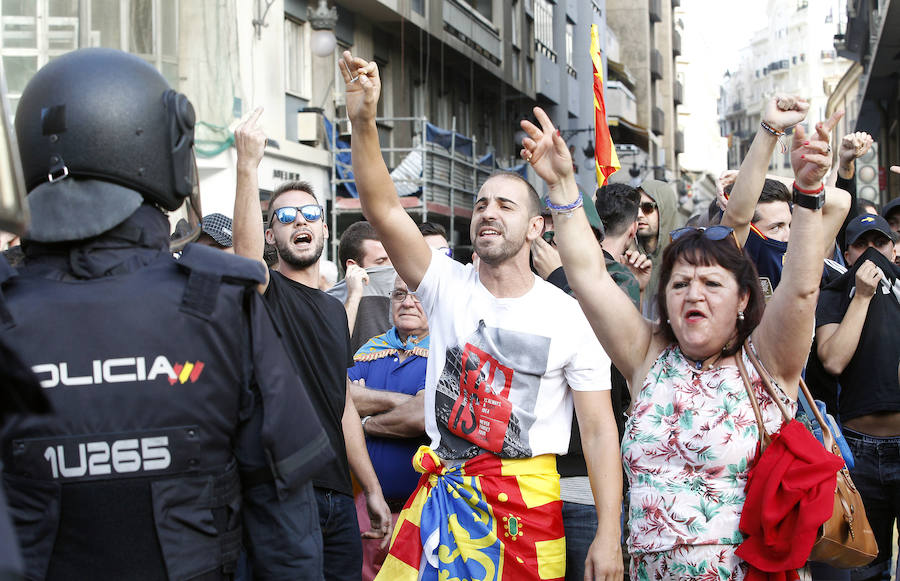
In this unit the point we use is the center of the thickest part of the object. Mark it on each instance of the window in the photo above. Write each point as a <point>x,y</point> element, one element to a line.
<point>514,33</point>
<point>36,31</point>
<point>516,64</point>
<point>543,27</point>
<point>296,58</point>
<point>484,7</point>
<point>418,6</point>
<point>570,47</point>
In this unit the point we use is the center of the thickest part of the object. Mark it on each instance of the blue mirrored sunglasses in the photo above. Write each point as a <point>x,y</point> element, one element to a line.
<point>711,233</point>
<point>310,213</point>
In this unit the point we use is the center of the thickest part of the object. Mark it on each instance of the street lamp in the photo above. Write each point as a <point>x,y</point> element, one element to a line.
<point>322,20</point>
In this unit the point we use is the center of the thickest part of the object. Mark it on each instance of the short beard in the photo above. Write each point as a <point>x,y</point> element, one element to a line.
<point>285,253</point>
<point>500,254</point>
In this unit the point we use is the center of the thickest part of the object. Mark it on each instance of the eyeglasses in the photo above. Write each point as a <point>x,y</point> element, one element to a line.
<point>647,207</point>
<point>287,214</point>
<point>711,233</point>
<point>446,250</point>
<point>399,295</point>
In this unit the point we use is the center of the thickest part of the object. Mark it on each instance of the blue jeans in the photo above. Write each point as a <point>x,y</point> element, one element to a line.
<point>282,536</point>
<point>340,536</point>
<point>877,476</point>
<point>580,524</point>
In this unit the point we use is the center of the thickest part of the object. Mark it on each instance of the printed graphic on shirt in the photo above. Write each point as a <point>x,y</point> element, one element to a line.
<point>486,393</point>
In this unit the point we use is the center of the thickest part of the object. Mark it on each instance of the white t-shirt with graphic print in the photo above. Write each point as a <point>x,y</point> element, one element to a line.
<point>499,368</point>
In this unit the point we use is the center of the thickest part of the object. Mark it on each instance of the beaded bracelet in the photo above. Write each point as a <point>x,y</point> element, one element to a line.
<point>566,209</point>
<point>771,129</point>
<point>778,134</point>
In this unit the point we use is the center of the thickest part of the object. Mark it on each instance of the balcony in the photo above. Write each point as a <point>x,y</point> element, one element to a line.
<point>656,65</point>
<point>676,43</point>
<point>473,29</point>
<point>655,10</point>
<point>679,142</point>
<point>620,102</point>
<point>678,93</point>
<point>658,121</point>
<point>778,66</point>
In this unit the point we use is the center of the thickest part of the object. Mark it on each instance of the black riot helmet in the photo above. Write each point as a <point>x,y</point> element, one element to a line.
<point>99,132</point>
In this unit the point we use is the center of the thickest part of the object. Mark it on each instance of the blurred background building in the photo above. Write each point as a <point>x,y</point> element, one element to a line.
<point>457,76</point>
<point>793,55</point>
<point>869,91</point>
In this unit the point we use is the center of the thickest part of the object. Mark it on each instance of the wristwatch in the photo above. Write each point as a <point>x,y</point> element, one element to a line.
<point>812,200</point>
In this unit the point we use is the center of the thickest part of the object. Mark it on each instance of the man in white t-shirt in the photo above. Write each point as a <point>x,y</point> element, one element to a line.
<point>509,355</point>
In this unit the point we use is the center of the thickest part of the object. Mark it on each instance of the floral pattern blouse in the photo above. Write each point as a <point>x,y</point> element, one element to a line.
<point>687,447</point>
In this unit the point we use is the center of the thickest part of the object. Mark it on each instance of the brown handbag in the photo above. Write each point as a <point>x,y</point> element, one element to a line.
<point>845,540</point>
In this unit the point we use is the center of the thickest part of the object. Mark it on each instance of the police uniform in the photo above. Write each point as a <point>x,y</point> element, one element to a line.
<point>159,370</point>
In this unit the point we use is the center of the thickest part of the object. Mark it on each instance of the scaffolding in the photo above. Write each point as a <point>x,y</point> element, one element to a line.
<point>438,174</point>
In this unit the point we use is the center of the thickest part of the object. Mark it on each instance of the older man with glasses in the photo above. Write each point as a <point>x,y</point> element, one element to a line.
<point>388,383</point>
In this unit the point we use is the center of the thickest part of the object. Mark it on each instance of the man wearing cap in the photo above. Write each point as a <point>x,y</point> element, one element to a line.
<point>858,336</point>
<point>216,232</point>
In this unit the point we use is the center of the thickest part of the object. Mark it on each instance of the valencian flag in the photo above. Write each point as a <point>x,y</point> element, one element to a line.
<point>604,152</point>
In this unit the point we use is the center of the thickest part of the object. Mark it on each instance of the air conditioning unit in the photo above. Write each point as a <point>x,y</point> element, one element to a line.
<point>308,127</point>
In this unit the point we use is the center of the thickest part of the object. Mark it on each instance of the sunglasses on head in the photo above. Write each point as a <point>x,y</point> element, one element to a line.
<point>711,233</point>
<point>446,250</point>
<point>647,207</point>
<point>287,214</point>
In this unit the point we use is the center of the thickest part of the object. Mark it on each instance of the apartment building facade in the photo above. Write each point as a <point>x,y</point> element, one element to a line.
<point>793,55</point>
<point>470,68</point>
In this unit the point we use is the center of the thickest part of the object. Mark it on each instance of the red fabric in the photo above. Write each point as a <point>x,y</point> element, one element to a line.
<point>790,494</point>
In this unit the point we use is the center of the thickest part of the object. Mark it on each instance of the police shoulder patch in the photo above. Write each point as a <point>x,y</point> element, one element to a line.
<point>206,260</point>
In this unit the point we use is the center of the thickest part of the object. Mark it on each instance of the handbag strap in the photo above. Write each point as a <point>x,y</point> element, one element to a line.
<point>829,442</point>
<point>766,381</point>
<point>764,438</point>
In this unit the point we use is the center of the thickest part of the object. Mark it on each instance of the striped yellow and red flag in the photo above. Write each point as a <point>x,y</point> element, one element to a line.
<point>605,151</point>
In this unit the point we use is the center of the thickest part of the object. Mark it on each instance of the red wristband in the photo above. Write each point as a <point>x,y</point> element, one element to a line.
<point>808,192</point>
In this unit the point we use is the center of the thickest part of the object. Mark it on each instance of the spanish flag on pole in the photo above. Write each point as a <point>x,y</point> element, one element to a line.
<point>604,152</point>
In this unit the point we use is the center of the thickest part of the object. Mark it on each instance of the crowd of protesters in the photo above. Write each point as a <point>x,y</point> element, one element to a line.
<point>577,402</point>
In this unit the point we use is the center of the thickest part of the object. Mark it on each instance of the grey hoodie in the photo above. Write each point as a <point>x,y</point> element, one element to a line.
<point>666,204</point>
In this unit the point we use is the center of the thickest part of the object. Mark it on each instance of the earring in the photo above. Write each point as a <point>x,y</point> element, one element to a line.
<point>668,322</point>
<point>740,316</point>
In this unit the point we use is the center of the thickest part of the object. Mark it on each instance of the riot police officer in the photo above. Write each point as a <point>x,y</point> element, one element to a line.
<point>170,385</point>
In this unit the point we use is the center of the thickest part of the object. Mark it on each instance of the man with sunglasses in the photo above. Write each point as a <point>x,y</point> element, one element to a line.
<point>657,216</point>
<point>509,355</point>
<point>314,329</point>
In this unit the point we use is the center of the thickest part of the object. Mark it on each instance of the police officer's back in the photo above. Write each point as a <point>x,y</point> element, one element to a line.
<point>158,370</point>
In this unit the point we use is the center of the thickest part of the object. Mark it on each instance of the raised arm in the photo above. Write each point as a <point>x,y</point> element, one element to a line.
<point>623,332</point>
<point>407,248</point>
<point>781,113</point>
<point>248,231</point>
<point>784,335</point>
<point>837,342</point>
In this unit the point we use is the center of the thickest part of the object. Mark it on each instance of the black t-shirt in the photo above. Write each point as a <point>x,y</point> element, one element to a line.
<point>869,382</point>
<point>315,334</point>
